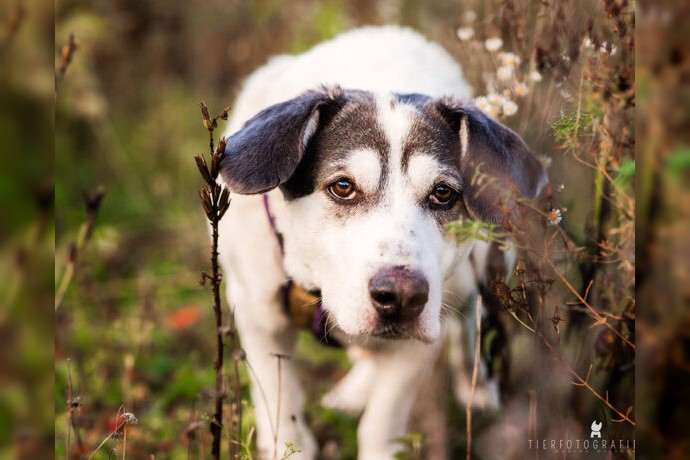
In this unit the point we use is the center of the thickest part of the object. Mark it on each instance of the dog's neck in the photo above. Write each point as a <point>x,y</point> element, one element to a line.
<point>302,306</point>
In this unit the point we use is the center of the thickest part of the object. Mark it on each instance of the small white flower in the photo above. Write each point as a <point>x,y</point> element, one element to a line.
<point>510,108</point>
<point>510,59</point>
<point>535,76</point>
<point>554,217</point>
<point>496,99</point>
<point>465,33</point>
<point>129,418</point>
<point>607,48</point>
<point>482,103</point>
<point>587,42</point>
<point>493,44</point>
<point>504,73</point>
<point>521,89</point>
<point>493,111</point>
<point>469,16</point>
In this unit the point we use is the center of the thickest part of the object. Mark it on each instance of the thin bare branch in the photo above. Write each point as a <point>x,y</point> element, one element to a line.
<point>475,372</point>
<point>601,320</point>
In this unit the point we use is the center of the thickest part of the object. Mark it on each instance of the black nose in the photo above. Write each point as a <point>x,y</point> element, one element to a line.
<point>399,294</point>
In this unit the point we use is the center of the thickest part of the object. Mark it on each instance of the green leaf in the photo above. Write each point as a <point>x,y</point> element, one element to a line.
<point>626,173</point>
<point>679,161</point>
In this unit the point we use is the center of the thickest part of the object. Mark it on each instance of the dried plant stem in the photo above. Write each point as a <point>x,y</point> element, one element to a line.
<point>69,406</point>
<point>122,420</point>
<point>66,277</point>
<point>280,358</point>
<point>595,314</point>
<point>215,200</point>
<point>216,424</point>
<point>92,203</point>
<point>73,404</point>
<point>66,55</point>
<point>580,381</point>
<point>106,440</point>
<point>124,442</point>
<point>475,372</point>
<point>264,398</point>
<point>12,26</point>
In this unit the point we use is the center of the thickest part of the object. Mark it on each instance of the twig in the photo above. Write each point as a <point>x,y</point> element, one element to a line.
<point>580,381</point>
<point>123,418</point>
<point>12,26</point>
<point>69,407</point>
<point>475,372</point>
<point>66,55</point>
<point>73,405</point>
<point>280,358</point>
<point>211,123</point>
<point>92,203</point>
<point>263,397</point>
<point>215,200</point>
<point>600,319</point>
<point>124,442</point>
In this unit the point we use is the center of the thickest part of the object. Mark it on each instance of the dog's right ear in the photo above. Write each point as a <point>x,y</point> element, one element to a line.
<point>266,151</point>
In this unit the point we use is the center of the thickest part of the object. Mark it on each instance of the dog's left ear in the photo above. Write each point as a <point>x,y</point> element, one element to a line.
<point>266,151</point>
<point>496,165</point>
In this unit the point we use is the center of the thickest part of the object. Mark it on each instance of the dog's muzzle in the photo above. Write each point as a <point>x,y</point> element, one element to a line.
<point>399,295</point>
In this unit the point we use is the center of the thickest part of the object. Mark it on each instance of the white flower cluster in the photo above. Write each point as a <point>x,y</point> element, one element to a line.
<point>509,82</point>
<point>604,48</point>
<point>496,105</point>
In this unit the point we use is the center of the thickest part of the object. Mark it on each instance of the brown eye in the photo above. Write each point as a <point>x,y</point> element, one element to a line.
<point>442,196</point>
<point>343,189</point>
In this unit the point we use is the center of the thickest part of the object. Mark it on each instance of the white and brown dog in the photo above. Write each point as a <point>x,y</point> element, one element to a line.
<point>346,164</point>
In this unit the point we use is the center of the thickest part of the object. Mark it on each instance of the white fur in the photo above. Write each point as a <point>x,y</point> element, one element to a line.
<point>464,136</point>
<point>365,166</point>
<point>378,59</point>
<point>321,253</point>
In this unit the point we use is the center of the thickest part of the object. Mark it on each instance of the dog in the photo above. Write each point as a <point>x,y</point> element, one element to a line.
<point>346,163</point>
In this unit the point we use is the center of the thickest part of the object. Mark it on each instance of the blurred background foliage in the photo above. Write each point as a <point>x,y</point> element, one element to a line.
<point>137,328</point>
<point>134,323</point>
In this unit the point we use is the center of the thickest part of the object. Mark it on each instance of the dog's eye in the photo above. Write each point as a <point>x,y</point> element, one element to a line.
<point>343,189</point>
<point>442,196</point>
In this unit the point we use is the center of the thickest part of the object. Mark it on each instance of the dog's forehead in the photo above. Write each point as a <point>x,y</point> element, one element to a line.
<point>351,126</point>
<point>363,126</point>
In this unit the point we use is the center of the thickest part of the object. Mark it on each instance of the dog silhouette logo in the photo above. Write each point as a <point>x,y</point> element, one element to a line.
<point>596,430</point>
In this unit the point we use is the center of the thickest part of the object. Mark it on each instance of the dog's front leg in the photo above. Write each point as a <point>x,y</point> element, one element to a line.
<point>268,339</point>
<point>401,368</point>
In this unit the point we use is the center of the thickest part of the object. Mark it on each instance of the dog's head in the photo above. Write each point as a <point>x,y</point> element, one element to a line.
<point>370,182</point>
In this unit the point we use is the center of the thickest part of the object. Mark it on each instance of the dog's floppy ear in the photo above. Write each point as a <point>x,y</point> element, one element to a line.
<point>266,151</point>
<point>496,165</point>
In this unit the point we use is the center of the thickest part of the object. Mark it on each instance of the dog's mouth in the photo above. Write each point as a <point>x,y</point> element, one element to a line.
<point>393,331</point>
<point>389,331</point>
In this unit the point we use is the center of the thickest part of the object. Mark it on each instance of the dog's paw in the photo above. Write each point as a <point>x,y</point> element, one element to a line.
<point>487,395</point>
<point>350,395</point>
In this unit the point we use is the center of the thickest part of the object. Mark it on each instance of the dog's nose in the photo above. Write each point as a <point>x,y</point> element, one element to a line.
<point>399,294</point>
